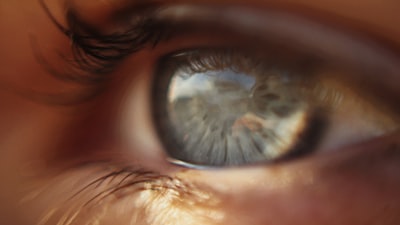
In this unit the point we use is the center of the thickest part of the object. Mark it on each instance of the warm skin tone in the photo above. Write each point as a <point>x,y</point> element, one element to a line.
<point>50,152</point>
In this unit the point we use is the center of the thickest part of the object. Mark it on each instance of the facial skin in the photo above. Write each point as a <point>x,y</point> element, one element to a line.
<point>71,164</point>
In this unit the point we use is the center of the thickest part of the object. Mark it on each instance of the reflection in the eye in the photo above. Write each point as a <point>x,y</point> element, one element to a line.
<point>235,118</point>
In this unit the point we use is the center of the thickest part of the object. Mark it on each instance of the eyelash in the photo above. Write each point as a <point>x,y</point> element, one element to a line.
<point>117,184</point>
<point>118,180</point>
<point>95,55</point>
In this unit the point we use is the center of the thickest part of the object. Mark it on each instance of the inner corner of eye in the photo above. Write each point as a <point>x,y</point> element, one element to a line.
<point>226,108</point>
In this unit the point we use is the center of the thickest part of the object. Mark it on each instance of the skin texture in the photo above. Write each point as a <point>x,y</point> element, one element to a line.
<point>54,156</point>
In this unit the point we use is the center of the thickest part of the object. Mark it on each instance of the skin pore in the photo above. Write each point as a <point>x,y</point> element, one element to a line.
<point>67,163</point>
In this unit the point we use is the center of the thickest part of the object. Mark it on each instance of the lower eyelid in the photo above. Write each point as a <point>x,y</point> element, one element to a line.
<point>374,163</point>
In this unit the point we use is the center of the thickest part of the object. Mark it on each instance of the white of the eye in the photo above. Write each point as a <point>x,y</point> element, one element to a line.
<point>349,129</point>
<point>137,128</point>
<point>354,121</point>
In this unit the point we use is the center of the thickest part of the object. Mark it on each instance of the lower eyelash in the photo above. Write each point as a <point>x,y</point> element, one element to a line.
<point>127,182</point>
<point>117,181</point>
<point>119,186</point>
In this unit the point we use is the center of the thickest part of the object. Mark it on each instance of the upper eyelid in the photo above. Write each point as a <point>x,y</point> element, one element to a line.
<point>375,63</point>
<point>286,26</point>
<point>275,23</point>
<point>364,53</point>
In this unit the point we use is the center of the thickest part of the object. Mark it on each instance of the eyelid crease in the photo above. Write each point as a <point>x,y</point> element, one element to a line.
<point>289,30</point>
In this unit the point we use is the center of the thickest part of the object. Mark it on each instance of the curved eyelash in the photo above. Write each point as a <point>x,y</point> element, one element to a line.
<point>123,179</point>
<point>96,55</point>
<point>114,186</point>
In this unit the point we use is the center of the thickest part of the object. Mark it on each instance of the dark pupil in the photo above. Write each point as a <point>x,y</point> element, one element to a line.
<point>224,117</point>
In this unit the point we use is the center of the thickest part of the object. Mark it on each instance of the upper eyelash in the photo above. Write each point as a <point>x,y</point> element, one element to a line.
<point>95,55</point>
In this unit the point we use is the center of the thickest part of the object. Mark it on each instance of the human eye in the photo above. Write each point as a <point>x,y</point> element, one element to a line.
<point>234,103</point>
<point>222,114</point>
<point>335,85</point>
<point>224,108</point>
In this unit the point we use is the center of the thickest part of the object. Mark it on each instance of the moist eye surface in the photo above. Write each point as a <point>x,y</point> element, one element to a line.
<point>226,108</point>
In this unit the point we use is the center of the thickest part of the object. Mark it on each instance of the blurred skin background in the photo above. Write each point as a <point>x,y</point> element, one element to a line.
<point>80,142</point>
